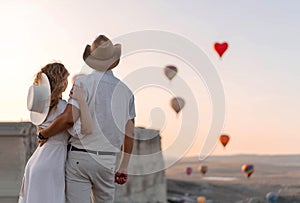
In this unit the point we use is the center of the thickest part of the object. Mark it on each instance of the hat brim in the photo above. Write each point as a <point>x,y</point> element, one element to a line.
<point>36,117</point>
<point>102,65</point>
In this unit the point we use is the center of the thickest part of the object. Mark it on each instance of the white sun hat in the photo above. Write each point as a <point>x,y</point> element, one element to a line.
<point>38,100</point>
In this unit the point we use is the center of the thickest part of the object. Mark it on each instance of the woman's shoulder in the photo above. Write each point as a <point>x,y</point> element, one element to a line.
<point>60,106</point>
<point>62,101</point>
<point>55,112</point>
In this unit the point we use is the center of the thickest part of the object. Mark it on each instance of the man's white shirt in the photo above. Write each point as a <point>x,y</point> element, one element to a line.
<point>111,104</point>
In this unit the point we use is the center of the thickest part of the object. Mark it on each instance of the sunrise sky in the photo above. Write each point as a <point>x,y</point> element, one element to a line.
<point>260,71</point>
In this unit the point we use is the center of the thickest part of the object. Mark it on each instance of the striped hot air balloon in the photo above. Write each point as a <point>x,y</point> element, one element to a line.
<point>177,104</point>
<point>170,71</point>
<point>248,169</point>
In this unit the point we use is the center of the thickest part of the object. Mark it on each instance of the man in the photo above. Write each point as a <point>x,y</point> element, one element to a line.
<point>90,167</point>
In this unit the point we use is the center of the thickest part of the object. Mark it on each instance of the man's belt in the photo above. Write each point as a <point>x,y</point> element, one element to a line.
<point>72,148</point>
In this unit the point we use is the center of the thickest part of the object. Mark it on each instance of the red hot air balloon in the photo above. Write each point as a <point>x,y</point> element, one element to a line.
<point>248,169</point>
<point>221,48</point>
<point>188,170</point>
<point>170,71</point>
<point>224,139</point>
<point>177,104</point>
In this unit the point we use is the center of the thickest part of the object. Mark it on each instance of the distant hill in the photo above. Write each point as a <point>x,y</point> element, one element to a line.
<point>224,181</point>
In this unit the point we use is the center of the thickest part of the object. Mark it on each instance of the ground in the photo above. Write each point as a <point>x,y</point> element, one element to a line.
<point>225,182</point>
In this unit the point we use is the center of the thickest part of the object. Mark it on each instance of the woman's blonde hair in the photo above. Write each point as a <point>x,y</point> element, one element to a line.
<point>58,78</point>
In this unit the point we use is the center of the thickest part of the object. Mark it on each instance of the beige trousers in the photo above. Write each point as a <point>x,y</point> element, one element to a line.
<point>90,178</point>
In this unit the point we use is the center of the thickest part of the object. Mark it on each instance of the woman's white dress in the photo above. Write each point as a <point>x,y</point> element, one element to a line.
<point>44,176</point>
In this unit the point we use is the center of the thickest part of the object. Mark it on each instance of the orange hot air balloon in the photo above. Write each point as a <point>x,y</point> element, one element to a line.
<point>221,48</point>
<point>248,169</point>
<point>202,169</point>
<point>224,139</point>
<point>201,199</point>
<point>177,104</point>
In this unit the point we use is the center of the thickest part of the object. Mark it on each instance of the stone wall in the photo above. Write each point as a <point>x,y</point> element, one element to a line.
<point>147,182</point>
<point>17,142</point>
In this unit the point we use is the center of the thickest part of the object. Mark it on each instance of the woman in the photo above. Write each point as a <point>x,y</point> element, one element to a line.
<point>44,176</point>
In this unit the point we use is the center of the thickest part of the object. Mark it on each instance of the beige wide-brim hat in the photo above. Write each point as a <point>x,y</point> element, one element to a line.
<point>38,100</point>
<point>104,57</point>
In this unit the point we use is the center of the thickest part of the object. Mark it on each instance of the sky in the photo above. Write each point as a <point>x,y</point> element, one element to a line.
<point>260,71</point>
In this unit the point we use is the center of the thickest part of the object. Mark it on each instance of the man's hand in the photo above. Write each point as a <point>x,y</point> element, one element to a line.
<point>40,141</point>
<point>38,129</point>
<point>121,176</point>
<point>77,92</point>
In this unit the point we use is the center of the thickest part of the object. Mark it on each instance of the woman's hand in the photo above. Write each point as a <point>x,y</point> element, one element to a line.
<point>78,93</point>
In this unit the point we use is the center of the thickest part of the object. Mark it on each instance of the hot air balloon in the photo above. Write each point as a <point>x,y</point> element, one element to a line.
<point>177,104</point>
<point>202,169</point>
<point>201,199</point>
<point>170,71</point>
<point>272,197</point>
<point>221,48</point>
<point>188,170</point>
<point>224,139</point>
<point>248,169</point>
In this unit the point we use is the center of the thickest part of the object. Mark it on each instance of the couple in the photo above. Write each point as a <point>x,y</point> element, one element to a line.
<point>95,123</point>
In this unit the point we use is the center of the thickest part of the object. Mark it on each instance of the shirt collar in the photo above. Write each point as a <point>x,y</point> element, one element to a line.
<point>108,72</point>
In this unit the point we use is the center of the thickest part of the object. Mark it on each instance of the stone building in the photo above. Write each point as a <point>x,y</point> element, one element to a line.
<point>146,184</point>
<point>147,181</point>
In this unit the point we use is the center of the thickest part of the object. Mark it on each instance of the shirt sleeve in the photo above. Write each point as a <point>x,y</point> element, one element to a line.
<point>132,108</point>
<point>73,102</point>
